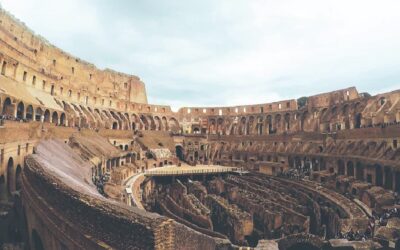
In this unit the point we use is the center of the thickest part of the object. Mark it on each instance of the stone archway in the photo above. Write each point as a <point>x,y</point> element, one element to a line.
<point>20,110</point>
<point>8,107</point>
<point>350,168</point>
<point>29,113</point>
<point>388,178</point>
<point>47,116</point>
<point>38,115</point>
<point>378,175</point>
<point>359,171</point>
<point>115,125</point>
<point>54,118</point>
<point>357,120</point>
<point>179,152</point>
<point>63,119</point>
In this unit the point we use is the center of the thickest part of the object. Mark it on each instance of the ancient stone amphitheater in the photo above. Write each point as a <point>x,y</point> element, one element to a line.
<point>87,163</point>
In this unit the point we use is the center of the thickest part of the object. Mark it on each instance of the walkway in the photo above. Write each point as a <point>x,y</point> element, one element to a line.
<point>189,170</point>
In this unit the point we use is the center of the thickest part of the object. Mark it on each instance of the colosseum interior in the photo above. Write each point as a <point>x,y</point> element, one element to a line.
<point>87,163</point>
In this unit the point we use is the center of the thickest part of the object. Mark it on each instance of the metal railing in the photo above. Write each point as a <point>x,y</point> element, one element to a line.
<point>189,171</point>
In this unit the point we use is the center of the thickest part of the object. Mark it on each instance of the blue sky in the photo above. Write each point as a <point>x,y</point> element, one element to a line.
<point>228,52</point>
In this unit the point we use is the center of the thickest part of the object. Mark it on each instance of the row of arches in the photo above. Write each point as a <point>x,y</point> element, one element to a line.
<point>80,116</point>
<point>288,122</point>
<point>20,111</point>
<point>376,174</point>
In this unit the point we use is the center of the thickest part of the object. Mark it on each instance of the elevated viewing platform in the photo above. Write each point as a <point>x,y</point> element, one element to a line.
<point>190,170</point>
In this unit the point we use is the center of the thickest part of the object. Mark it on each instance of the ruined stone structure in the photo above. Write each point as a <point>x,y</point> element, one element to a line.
<point>78,144</point>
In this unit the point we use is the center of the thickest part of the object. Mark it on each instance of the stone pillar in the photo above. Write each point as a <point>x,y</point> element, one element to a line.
<point>15,110</point>
<point>33,114</point>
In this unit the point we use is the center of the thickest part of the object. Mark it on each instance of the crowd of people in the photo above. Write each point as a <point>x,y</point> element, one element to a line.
<point>357,235</point>
<point>379,220</point>
<point>100,181</point>
<point>381,125</point>
<point>297,173</point>
<point>386,215</point>
<point>11,118</point>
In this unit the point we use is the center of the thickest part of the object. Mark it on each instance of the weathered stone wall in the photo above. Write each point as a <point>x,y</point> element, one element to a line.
<point>229,219</point>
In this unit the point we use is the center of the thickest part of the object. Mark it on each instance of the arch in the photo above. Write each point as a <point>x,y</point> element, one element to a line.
<point>54,118</point>
<point>242,126</point>
<point>278,122</point>
<point>269,124</point>
<point>287,121</point>
<point>157,123</point>
<point>357,120</point>
<point>145,122</point>
<point>359,171</point>
<point>37,242</point>
<point>46,116</point>
<point>115,125</point>
<point>10,175</point>
<point>345,110</point>
<point>303,119</point>
<point>164,122</point>
<point>397,184</point>
<point>126,148</point>
<point>378,175</point>
<point>350,168</point>
<point>38,114</point>
<point>179,152</point>
<point>29,113</point>
<point>152,123</point>
<point>220,124</point>
<point>249,125</point>
<point>20,110</point>
<point>18,171</point>
<point>388,178</point>
<point>173,124</point>
<point>7,107</point>
<point>211,127</point>
<point>62,119</point>
<point>260,125</point>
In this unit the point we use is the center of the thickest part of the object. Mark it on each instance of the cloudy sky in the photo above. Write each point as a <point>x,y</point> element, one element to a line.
<point>228,52</point>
